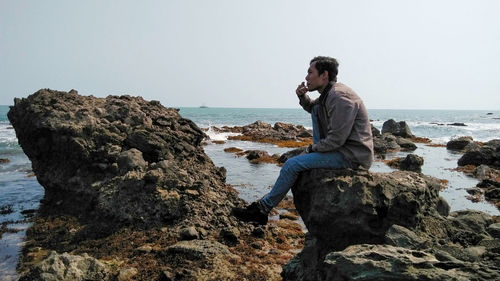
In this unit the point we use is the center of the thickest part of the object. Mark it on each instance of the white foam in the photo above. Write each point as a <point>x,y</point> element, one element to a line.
<point>220,136</point>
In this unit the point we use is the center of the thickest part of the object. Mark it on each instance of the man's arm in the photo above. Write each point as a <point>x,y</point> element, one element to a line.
<point>342,114</point>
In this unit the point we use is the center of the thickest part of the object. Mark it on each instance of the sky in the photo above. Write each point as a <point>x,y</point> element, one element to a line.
<point>396,54</point>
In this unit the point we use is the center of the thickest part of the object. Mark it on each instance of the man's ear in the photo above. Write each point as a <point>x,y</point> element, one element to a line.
<point>324,74</point>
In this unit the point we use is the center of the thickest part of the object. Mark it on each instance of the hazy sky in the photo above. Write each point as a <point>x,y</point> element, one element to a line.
<point>426,54</point>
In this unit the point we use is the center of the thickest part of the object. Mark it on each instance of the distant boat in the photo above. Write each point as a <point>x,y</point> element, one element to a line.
<point>203,106</point>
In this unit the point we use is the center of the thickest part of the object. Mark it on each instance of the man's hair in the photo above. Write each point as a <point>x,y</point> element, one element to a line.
<point>329,64</point>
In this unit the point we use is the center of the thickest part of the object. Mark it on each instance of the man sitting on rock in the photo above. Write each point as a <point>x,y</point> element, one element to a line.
<point>342,135</point>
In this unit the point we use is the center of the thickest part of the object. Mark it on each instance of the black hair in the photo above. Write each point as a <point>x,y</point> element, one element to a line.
<point>329,64</point>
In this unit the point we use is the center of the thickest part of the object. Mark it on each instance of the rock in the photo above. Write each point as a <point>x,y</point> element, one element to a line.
<point>375,131</point>
<point>127,274</point>
<point>385,143</point>
<point>289,215</point>
<point>403,237</point>
<point>457,124</point>
<point>230,235</point>
<point>494,230</point>
<point>4,160</point>
<point>197,249</point>
<point>378,200</point>
<point>131,160</point>
<point>400,129</point>
<point>67,267</point>
<point>411,162</point>
<point>488,154</point>
<point>406,144</point>
<point>385,262</point>
<point>402,230</point>
<point>255,154</point>
<point>120,157</point>
<point>188,233</point>
<point>459,143</point>
<point>289,154</point>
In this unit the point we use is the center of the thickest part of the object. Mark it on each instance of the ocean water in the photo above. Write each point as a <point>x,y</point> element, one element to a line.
<point>20,191</point>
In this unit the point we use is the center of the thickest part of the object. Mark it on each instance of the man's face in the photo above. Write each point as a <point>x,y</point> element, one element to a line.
<point>314,80</point>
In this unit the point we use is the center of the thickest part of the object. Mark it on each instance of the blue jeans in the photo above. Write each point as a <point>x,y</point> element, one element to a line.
<point>299,163</point>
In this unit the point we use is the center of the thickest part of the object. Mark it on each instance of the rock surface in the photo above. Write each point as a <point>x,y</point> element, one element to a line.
<point>459,143</point>
<point>125,179</point>
<point>488,154</point>
<point>378,226</point>
<point>399,129</point>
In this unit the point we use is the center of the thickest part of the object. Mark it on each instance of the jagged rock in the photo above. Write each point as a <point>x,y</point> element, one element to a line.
<point>457,124</point>
<point>125,157</point>
<point>255,154</point>
<point>289,154</point>
<point>459,143</point>
<point>488,154</point>
<point>188,233</point>
<point>411,162</point>
<point>385,262</point>
<point>400,129</point>
<point>402,230</point>
<point>378,200</point>
<point>406,144</point>
<point>67,267</point>
<point>375,131</point>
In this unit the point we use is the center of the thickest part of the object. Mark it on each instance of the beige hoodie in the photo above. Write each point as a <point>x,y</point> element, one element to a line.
<point>344,124</point>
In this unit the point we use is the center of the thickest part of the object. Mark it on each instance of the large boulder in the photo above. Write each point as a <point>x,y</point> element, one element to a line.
<point>376,200</point>
<point>488,154</point>
<point>387,226</point>
<point>400,129</point>
<point>130,159</point>
<point>459,143</point>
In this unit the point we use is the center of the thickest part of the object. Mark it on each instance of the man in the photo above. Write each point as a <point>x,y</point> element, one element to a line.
<point>342,135</point>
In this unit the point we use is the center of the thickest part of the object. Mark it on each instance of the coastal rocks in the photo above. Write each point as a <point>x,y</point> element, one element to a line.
<point>401,231</point>
<point>127,180</point>
<point>378,200</point>
<point>395,136</point>
<point>281,134</point>
<point>488,154</point>
<point>127,158</point>
<point>459,143</point>
<point>68,267</point>
<point>411,162</point>
<point>399,129</point>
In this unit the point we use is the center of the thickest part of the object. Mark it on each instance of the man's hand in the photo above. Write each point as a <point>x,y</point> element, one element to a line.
<point>301,89</point>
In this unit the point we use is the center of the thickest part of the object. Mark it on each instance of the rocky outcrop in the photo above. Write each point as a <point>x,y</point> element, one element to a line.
<point>68,267</point>
<point>281,134</point>
<point>459,143</point>
<point>127,181</point>
<point>399,129</point>
<point>132,160</point>
<point>488,154</point>
<point>379,226</point>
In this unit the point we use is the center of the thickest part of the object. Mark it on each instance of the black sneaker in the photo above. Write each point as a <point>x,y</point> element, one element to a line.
<point>252,213</point>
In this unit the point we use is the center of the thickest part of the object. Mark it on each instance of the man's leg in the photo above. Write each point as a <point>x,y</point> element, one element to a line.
<point>294,166</point>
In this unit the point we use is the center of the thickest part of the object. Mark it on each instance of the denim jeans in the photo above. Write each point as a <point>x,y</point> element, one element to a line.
<point>295,165</point>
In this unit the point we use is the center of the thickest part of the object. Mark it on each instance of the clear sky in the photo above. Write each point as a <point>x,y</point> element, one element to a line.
<point>398,54</point>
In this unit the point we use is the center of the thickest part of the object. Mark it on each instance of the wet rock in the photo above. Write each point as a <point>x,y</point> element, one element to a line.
<point>127,274</point>
<point>457,124</point>
<point>403,230</point>
<point>400,129</point>
<point>375,131</point>
<point>197,249</point>
<point>4,161</point>
<point>385,262</point>
<point>411,162</point>
<point>459,143</point>
<point>289,154</point>
<point>67,267</point>
<point>255,154</point>
<point>378,200</point>
<point>494,230</point>
<point>488,154</point>
<point>188,233</point>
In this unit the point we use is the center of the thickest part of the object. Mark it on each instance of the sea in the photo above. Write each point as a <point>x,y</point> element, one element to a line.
<point>20,193</point>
